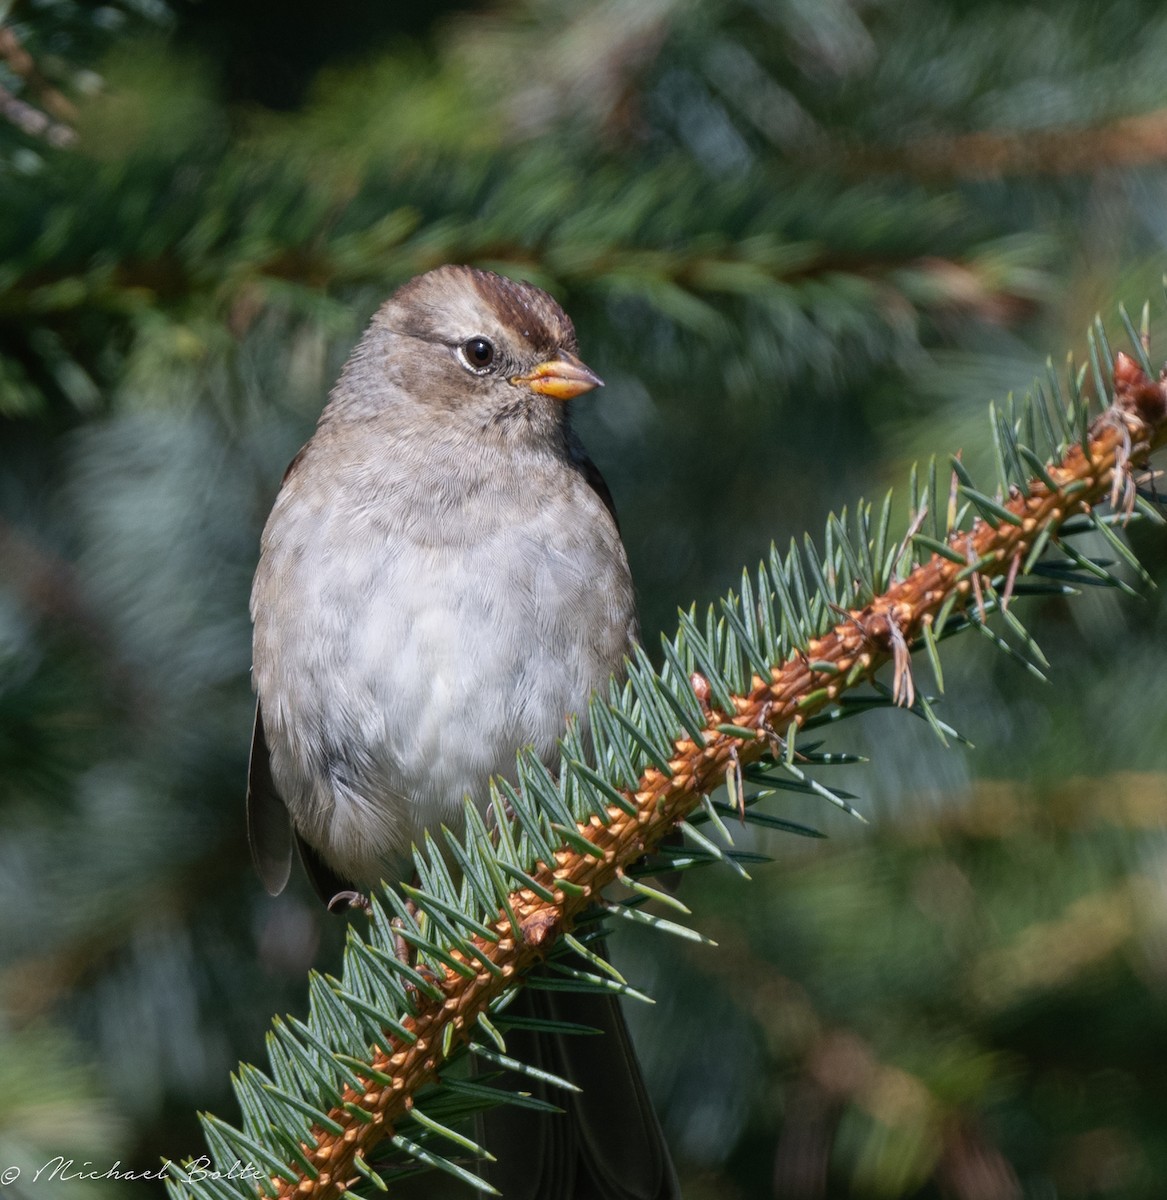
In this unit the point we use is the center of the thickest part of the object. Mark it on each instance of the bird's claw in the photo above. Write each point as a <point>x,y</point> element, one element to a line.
<point>350,898</point>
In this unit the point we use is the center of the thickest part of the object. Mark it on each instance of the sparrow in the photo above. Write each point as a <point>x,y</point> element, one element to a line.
<point>442,583</point>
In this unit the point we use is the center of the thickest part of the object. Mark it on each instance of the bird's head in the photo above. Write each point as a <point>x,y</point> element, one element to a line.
<point>475,350</point>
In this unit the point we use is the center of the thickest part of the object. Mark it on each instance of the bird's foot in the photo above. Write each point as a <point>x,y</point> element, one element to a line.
<point>406,953</point>
<point>400,945</point>
<point>350,899</point>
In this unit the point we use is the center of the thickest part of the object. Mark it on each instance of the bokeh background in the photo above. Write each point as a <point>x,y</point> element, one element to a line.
<point>805,242</point>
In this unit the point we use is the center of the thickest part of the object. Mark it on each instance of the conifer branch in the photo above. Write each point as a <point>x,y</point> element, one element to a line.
<point>1122,144</point>
<point>27,117</point>
<point>761,722</point>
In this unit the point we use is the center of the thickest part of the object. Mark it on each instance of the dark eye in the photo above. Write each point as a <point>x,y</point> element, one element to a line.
<point>477,354</point>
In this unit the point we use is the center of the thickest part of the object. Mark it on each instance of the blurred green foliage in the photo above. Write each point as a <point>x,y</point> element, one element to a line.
<point>804,244</point>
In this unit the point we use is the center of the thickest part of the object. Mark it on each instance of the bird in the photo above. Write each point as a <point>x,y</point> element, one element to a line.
<point>441,583</point>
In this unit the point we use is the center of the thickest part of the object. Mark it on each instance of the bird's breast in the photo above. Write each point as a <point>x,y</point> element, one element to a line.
<point>423,655</point>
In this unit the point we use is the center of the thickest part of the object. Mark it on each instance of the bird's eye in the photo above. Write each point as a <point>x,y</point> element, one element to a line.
<point>477,354</point>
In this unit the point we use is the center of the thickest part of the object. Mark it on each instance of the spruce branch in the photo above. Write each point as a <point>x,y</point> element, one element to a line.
<point>736,731</point>
<point>53,123</point>
<point>1121,144</point>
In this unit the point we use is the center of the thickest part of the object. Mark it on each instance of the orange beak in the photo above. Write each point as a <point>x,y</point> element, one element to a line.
<point>561,378</point>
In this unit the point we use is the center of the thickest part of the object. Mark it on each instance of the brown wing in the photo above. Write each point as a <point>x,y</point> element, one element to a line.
<point>269,829</point>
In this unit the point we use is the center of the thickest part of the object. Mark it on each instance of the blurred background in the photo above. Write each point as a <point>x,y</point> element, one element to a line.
<point>805,242</point>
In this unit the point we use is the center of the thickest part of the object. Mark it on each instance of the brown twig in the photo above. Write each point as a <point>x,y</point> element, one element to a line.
<point>21,63</point>
<point>30,120</point>
<point>52,124</point>
<point>864,639</point>
<point>992,154</point>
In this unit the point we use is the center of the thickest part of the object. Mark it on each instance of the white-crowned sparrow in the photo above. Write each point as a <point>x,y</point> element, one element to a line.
<point>441,583</point>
